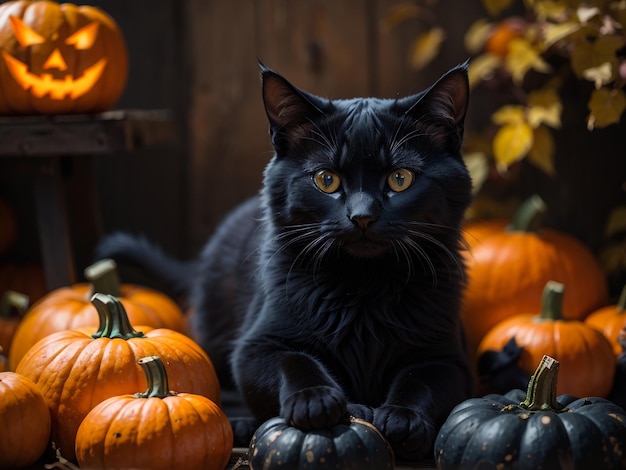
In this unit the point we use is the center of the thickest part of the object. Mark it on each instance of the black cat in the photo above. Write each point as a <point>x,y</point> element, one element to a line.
<point>337,290</point>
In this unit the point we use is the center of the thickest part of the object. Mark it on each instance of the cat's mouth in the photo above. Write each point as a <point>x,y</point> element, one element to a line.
<point>366,247</point>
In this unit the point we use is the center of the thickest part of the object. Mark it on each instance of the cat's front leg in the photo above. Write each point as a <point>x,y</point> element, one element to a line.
<point>291,384</point>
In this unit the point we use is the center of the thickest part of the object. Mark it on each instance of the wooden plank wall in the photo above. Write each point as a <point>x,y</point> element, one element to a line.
<point>332,48</point>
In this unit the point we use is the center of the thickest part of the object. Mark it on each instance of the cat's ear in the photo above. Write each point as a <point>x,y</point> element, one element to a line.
<point>443,106</point>
<point>290,111</point>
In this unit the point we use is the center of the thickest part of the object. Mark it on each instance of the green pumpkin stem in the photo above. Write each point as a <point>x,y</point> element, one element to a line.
<point>552,301</point>
<point>156,376</point>
<point>114,322</point>
<point>12,303</point>
<point>541,393</point>
<point>104,277</point>
<point>529,216</point>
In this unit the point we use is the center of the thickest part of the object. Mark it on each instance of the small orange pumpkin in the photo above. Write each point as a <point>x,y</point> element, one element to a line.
<point>158,429</point>
<point>13,306</point>
<point>77,369</point>
<point>68,308</point>
<point>507,272</point>
<point>24,421</point>
<point>586,356</point>
<point>610,320</point>
<point>59,58</point>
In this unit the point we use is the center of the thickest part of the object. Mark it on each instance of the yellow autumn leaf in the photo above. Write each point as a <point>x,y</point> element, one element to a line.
<point>552,10</point>
<point>605,107</point>
<point>495,7</point>
<point>512,143</point>
<point>401,13</point>
<point>553,33</point>
<point>509,114</point>
<point>544,107</point>
<point>616,223</point>
<point>613,257</point>
<point>426,47</point>
<point>600,75</point>
<point>523,57</point>
<point>483,67</point>
<point>478,167</point>
<point>541,154</point>
<point>585,13</point>
<point>588,54</point>
<point>477,34</point>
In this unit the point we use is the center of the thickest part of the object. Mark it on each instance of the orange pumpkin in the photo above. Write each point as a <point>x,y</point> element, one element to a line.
<point>24,421</point>
<point>586,356</point>
<point>4,362</point>
<point>59,58</point>
<point>70,307</point>
<point>13,306</point>
<point>157,429</point>
<point>610,320</point>
<point>507,271</point>
<point>77,369</point>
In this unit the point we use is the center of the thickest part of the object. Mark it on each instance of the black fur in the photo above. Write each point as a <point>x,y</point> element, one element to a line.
<point>328,304</point>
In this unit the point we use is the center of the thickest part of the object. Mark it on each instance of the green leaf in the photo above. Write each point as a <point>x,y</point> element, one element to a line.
<point>606,107</point>
<point>511,143</point>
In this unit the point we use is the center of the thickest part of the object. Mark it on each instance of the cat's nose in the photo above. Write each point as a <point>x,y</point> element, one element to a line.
<point>362,221</point>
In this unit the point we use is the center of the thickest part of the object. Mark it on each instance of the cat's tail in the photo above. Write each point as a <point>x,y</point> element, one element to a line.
<point>170,275</point>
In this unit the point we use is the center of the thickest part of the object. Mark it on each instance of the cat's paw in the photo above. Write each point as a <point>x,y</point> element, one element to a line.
<point>314,408</point>
<point>410,434</point>
<point>364,412</point>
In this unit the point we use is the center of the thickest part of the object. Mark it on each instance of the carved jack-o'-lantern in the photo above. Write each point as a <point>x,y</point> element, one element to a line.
<point>59,58</point>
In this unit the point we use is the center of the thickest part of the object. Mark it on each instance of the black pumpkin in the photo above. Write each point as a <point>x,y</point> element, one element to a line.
<point>356,444</point>
<point>542,431</point>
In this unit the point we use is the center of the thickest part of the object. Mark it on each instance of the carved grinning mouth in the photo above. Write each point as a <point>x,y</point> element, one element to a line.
<point>58,89</point>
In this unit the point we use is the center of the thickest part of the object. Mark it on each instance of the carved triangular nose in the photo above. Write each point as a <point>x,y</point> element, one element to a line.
<point>362,221</point>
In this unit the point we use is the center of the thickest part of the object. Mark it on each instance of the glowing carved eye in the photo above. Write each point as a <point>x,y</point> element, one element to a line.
<point>84,37</point>
<point>25,35</point>
<point>400,179</point>
<point>327,181</point>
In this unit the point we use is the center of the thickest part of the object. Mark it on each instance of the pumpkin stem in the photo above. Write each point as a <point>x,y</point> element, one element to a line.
<point>621,303</point>
<point>529,216</point>
<point>104,277</point>
<point>541,393</point>
<point>156,376</point>
<point>114,322</point>
<point>13,303</point>
<point>552,301</point>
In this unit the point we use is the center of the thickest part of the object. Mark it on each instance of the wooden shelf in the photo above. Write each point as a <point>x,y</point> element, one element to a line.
<point>47,146</point>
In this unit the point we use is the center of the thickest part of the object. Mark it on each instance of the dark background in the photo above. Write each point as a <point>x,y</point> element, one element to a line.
<point>198,59</point>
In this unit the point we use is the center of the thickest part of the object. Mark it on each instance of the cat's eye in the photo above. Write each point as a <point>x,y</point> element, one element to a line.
<point>400,179</point>
<point>327,181</point>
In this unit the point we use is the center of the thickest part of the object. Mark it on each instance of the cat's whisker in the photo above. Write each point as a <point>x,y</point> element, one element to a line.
<point>423,257</point>
<point>443,249</point>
